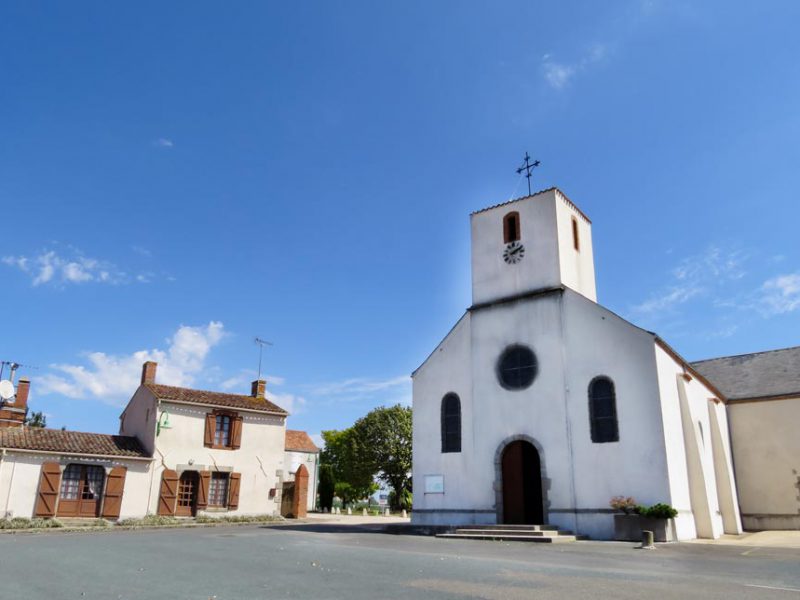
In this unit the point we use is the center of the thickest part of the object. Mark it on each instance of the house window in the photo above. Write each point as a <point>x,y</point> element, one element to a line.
<point>511,227</point>
<point>451,423</point>
<point>576,242</point>
<point>603,411</point>
<point>517,367</point>
<point>218,490</point>
<point>222,433</point>
<point>71,482</point>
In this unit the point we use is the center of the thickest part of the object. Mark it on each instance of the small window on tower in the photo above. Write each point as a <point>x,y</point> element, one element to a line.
<point>575,239</point>
<point>511,227</point>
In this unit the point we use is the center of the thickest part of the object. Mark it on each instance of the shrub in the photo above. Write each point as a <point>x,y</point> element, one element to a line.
<point>625,504</point>
<point>327,484</point>
<point>658,511</point>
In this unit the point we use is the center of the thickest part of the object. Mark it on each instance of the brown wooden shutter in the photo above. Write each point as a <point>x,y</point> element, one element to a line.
<point>169,493</point>
<point>115,485</point>
<point>211,427</point>
<point>49,488</point>
<point>233,490</point>
<point>236,432</point>
<point>202,490</point>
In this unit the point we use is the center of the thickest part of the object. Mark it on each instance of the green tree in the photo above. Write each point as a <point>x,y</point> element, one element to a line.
<point>355,478</point>
<point>383,444</point>
<point>326,487</point>
<point>36,419</point>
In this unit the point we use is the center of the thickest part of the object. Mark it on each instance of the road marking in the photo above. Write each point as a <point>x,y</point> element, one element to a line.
<point>770,587</point>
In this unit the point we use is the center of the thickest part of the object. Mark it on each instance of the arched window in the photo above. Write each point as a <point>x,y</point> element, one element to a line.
<point>451,423</point>
<point>511,227</point>
<point>603,410</point>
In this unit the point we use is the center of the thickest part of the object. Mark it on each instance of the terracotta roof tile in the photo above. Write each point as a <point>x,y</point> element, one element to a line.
<point>70,442</point>
<point>299,441</point>
<point>179,394</point>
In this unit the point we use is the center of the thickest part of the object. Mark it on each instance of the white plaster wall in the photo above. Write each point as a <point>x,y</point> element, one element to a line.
<point>692,475</point>
<point>20,474</point>
<point>259,460</point>
<point>139,418</point>
<point>292,462</point>
<point>766,450</point>
<point>446,370</point>
<point>492,278</point>
<point>577,266</point>
<point>599,343</point>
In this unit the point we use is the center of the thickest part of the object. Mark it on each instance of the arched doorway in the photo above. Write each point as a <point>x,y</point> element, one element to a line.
<point>522,484</point>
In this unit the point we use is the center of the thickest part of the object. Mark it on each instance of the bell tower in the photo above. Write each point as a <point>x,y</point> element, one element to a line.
<point>532,243</point>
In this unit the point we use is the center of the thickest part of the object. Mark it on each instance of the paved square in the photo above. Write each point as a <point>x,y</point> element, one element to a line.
<point>320,562</point>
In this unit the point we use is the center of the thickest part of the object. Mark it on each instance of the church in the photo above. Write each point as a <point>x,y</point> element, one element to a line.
<point>540,405</point>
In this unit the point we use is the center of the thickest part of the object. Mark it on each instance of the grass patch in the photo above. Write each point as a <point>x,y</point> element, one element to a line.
<point>25,523</point>
<point>237,519</point>
<point>149,521</point>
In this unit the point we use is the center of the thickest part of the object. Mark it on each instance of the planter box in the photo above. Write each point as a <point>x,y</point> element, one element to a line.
<point>628,528</point>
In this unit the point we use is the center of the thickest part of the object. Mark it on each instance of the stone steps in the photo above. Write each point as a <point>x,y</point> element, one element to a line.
<point>545,534</point>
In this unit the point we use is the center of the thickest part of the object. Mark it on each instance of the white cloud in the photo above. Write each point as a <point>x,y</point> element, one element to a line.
<point>559,74</point>
<point>291,402</point>
<point>245,377</point>
<point>388,391</point>
<point>113,378</point>
<point>50,267</point>
<point>164,143</point>
<point>780,294</point>
<point>696,276</point>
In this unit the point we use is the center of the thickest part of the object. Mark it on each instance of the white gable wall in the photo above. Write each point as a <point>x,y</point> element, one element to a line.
<point>259,460</point>
<point>599,343</point>
<point>446,370</point>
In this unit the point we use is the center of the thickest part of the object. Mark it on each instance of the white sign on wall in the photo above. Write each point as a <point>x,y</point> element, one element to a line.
<point>434,484</point>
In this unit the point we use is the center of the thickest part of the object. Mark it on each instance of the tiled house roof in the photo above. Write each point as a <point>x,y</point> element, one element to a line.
<point>70,442</point>
<point>775,373</point>
<point>299,441</point>
<point>190,396</point>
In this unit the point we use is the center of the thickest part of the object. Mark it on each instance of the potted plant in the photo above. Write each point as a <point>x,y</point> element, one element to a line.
<point>635,518</point>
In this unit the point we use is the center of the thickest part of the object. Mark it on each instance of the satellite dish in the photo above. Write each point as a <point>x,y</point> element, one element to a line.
<point>6,389</point>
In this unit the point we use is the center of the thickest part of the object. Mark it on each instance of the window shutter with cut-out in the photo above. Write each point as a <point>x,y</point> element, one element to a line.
<point>233,490</point>
<point>115,485</point>
<point>202,490</point>
<point>211,427</point>
<point>236,432</point>
<point>49,486</point>
<point>169,493</point>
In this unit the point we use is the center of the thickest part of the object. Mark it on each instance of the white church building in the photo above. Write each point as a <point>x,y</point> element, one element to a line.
<point>540,405</point>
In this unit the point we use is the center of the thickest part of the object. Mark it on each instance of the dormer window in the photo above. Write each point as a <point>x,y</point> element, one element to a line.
<point>511,227</point>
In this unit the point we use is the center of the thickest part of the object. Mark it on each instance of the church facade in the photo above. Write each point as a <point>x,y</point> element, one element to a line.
<point>541,405</point>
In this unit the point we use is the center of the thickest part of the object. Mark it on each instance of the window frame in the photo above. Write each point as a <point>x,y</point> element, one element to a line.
<point>450,421</point>
<point>230,416</point>
<point>576,238</point>
<point>509,235</point>
<point>500,369</point>
<point>213,493</point>
<point>594,420</point>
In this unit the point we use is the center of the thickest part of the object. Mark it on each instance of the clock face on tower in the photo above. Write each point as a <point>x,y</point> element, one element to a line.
<point>513,253</point>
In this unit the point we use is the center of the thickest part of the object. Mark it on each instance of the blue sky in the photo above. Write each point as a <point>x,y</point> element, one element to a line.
<point>179,178</point>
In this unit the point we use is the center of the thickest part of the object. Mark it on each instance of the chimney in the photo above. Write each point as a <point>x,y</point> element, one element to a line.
<point>149,372</point>
<point>23,387</point>
<point>258,388</point>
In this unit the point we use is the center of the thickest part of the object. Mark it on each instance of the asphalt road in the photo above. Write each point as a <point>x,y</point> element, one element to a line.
<point>321,562</point>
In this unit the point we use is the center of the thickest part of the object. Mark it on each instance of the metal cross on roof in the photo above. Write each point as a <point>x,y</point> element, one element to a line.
<point>528,167</point>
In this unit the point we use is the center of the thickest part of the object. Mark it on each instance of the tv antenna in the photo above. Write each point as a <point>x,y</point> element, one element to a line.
<point>528,167</point>
<point>261,343</point>
<point>13,366</point>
